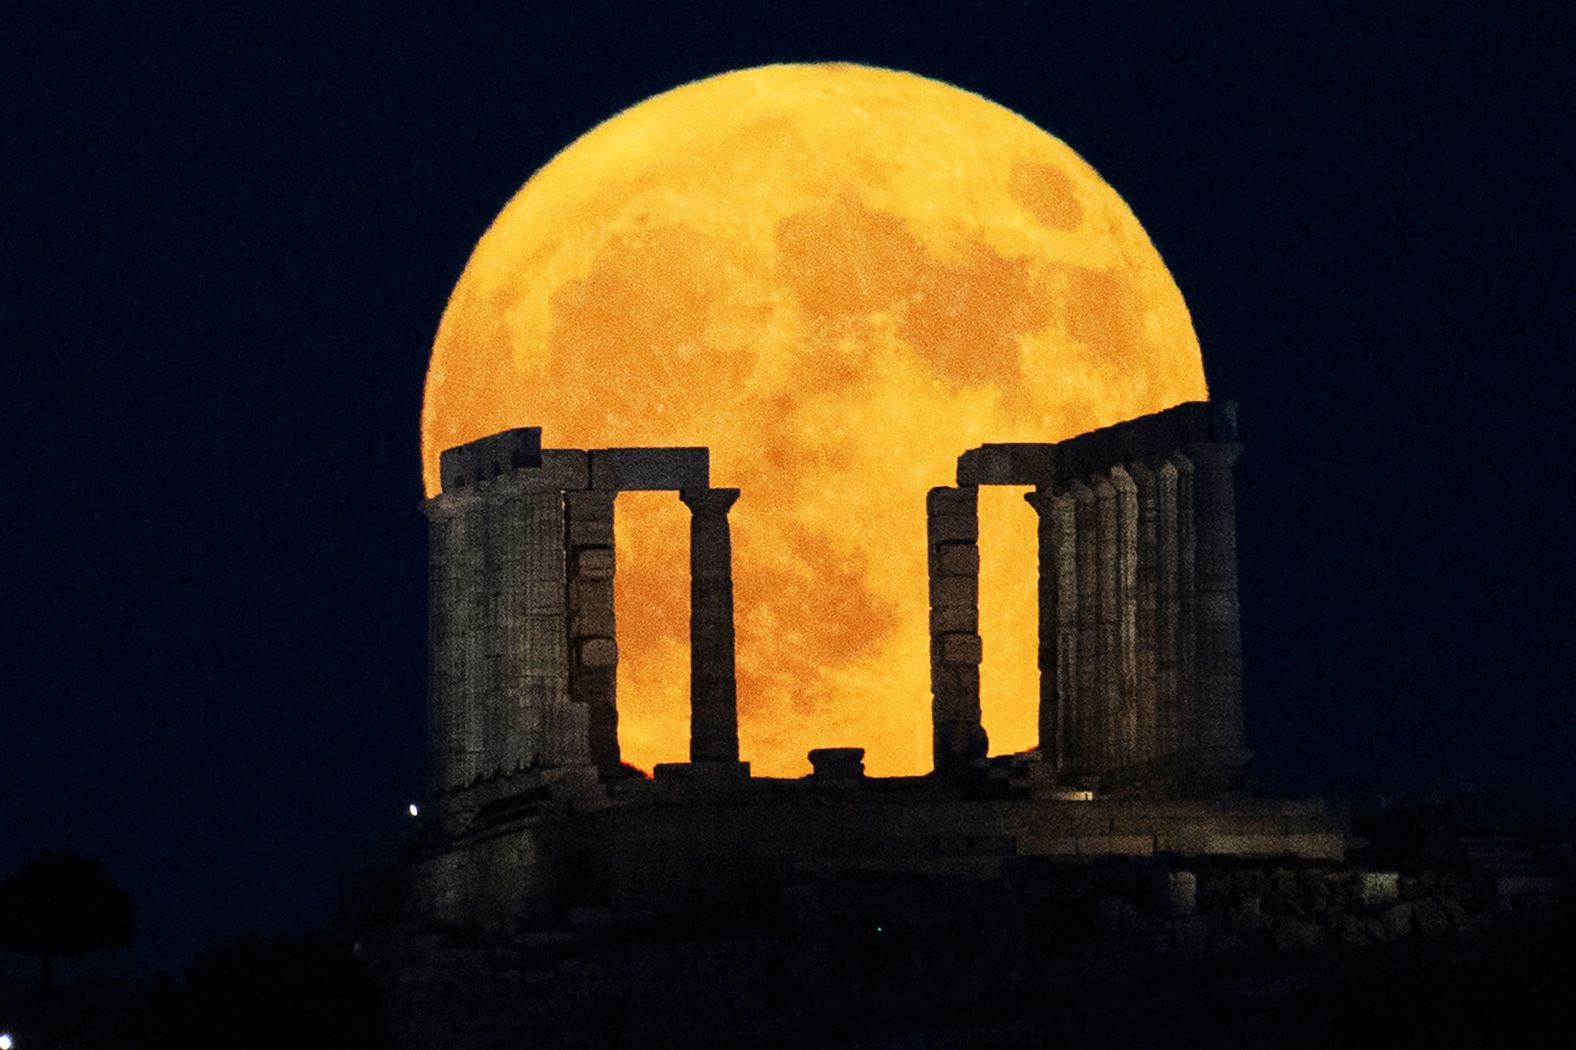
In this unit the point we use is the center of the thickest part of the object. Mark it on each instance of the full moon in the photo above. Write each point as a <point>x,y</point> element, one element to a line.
<point>838,278</point>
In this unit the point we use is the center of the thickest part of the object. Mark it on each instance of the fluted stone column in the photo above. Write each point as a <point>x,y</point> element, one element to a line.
<point>445,660</point>
<point>714,715</point>
<point>1168,614</point>
<point>1127,613</point>
<point>1219,627</point>
<point>1107,565</point>
<point>1148,590</point>
<point>1187,593</point>
<point>1089,730</point>
<point>1058,604</point>
<point>952,528</point>
<point>592,635</point>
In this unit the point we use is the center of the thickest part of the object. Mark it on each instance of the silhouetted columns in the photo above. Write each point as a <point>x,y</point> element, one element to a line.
<point>446,660</point>
<point>1058,608</point>
<point>714,715</point>
<point>1147,612</point>
<point>1168,611</point>
<point>952,530</point>
<point>1187,593</point>
<point>1107,564</point>
<point>1089,728</point>
<point>593,672</point>
<point>1219,628</point>
<point>1127,613</point>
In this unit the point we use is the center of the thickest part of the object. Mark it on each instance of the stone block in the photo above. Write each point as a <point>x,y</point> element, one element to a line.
<point>1378,887</point>
<point>946,619</point>
<point>963,649</point>
<point>597,652</point>
<point>650,469</point>
<point>590,532</point>
<point>963,501</point>
<point>1008,464</point>
<point>562,470</point>
<point>954,590</point>
<point>837,762</point>
<point>1116,845</point>
<point>955,559</point>
<point>952,528</point>
<point>592,620</point>
<point>1047,845</point>
<point>594,563</point>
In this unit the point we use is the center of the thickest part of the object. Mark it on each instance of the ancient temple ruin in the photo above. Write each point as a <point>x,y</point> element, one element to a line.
<point>1140,635</point>
<point>1141,737</point>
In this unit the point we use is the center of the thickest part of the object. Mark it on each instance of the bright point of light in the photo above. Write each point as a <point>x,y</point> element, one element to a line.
<point>6,1042</point>
<point>414,811</point>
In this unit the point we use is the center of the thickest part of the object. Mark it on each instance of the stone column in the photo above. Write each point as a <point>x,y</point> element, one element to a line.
<point>445,660</point>
<point>1127,613</point>
<point>1147,633</point>
<point>1219,627</point>
<point>1109,620</point>
<point>1055,592</point>
<point>1168,618</point>
<point>1089,729</point>
<point>593,648</point>
<point>714,713</point>
<point>952,526</point>
<point>1187,593</point>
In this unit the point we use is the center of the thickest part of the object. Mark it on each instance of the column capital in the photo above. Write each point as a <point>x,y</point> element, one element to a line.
<point>708,501</point>
<point>1042,498</point>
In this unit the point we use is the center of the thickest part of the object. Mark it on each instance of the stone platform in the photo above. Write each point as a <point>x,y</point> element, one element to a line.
<point>646,848</point>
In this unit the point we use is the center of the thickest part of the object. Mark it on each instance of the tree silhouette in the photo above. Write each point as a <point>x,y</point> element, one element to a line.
<point>62,906</point>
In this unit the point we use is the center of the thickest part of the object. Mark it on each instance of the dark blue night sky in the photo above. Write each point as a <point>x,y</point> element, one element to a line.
<point>229,234</point>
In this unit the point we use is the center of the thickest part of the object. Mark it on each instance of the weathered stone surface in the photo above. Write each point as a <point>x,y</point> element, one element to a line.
<point>650,469</point>
<point>959,648</point>
<point>953,528</point>
<point>490,457</point>
<point>597,652</point>
<point>1008,464</point>
<point>955,591</point>
<point>594,563</point>
<point>956,559</point>
<point>964,619</point>
<point>714,718</point>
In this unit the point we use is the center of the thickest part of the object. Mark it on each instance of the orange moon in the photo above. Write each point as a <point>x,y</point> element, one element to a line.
<point>838,278</point>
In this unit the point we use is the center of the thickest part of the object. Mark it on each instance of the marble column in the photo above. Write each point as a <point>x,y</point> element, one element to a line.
<point>592,630</point>
<point>1057,592</point>
<point>1218,627</point>
<point>1187,595</point>
<point>952,535</point>
<point>1089,728</point>
<point>1147,613</point>
<point>1127,614</point>
<point>445,660</point>
<point>1168,613</point>
<point>714,714</point>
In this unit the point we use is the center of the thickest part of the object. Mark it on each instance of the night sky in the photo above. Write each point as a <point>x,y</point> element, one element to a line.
<point>228,238</point>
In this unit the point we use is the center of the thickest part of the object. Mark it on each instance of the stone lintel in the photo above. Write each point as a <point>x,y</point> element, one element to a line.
<point>489,457</point>
<point>1008,464</point>
<point>1156,435</point>
<point>650,469</point>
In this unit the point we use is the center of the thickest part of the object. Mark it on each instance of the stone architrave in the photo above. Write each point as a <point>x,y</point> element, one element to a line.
<point>1168,619</point>
<point>1146,647</point>
<point>714,716</point>
<point>952,528</point>
<point>1090,728</point>
<point>1127,614</point>
<point>1218,624</point>
<point>592,646</point>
